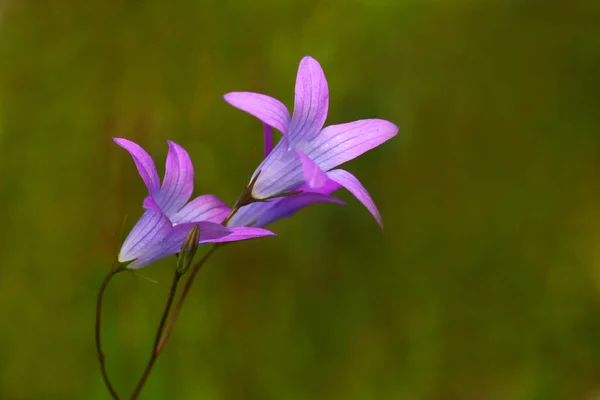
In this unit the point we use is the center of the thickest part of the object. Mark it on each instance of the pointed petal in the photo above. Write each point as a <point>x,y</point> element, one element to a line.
<point>311,102</point>
<point>267,109</point>
<point>178,184</point>
<point>314,176</point>
<point>350,182</point>
<point>337,144</point>
<point>239,233</point>
<point>209,232</point>
<point>203,208</point>
<point>143,162</point>
<point>268,131</point>
<point>262,214</point>
<point>329,187</point>
<point>141,243</point>
<point>212,233</point>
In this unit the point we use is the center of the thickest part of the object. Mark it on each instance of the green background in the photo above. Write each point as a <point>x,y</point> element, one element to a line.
<point>485,283</point>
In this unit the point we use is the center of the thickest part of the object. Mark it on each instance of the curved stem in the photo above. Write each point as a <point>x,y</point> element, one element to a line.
<point>157,339</point>
<point>101,358</point>
<point>161,344</point>
<point>163,341</point>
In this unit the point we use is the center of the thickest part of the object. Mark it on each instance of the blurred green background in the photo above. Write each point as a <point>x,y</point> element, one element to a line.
<point>485,283</point>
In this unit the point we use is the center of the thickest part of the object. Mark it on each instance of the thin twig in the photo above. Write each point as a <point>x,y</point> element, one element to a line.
<point>231,214</point>
<point>179,305</point>
<point>157,339</point>
<point>245,199</point>
<point>107,279</point>
<point>161,340</point>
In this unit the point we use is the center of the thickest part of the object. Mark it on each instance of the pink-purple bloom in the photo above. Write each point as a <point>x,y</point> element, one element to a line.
<point>168,216</point>
<point>305,157</point>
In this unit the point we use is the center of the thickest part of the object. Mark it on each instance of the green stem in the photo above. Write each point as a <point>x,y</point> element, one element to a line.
<point>239,204</point>
<point>161,326</point>
<point>101,357</point>
<point>163,341</point>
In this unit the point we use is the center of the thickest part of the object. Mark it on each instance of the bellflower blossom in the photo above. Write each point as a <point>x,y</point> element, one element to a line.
<point>305,157</point>
<point>161,230</point>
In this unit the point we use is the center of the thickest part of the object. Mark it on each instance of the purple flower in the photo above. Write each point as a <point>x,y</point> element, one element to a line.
<point>263,213</point>
<point>305,157</point>
<point>161,230</point>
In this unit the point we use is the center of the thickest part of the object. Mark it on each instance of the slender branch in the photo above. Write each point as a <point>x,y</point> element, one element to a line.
<point>163,335</point>
<point>231,214</point>
<point>101,358</point>
<point>245,199</point>
<point>161,340</point>
<point>179,305</point>
<point>157,339</point>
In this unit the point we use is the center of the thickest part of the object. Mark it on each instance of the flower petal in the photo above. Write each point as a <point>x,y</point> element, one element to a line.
<point>172,242</point>
<point>329,187</point>
<point>178,184</point>
<point>267,109</point>
<point>284,170</point>
<point>203,208</point>
<point>262,214</point>
<point>268,132</point>
<point>154,238</point>
<point>209,232</point>
<point>143,162</point>
<point>150,204</point>
<point>239,233</point>
<point>311,102</point>
<point>350,182</point>
<point>279,172</point>
<point>337,144</point>
<point>314,176</point>
<point>141,243</point>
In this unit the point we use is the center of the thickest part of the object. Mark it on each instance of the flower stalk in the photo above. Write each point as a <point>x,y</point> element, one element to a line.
<point>184,261</point>
<point>161,338</point>
<point>188,285</point>
<point>114,270</point>
<point>163,319</point>
<point>158,348</point>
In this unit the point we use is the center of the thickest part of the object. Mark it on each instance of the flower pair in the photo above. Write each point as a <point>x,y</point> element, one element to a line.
<point>297,172</point>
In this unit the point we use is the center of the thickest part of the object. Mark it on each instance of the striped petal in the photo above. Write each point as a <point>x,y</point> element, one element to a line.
<point>337,144</point>
<point>350,182</point>
<point>239,233</point>
<point>178,184</point>
<point>267,109</point>
<point>311,102</point>
<point>279,172</point>
<point>203,208</point>
<point>314,177</point>
<point>262,214</point>
<point>143,163</point>
<point>172,242</point>
<point>141,243</point>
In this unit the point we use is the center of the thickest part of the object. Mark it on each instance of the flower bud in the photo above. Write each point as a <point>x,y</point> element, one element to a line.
<point>188,250</point>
